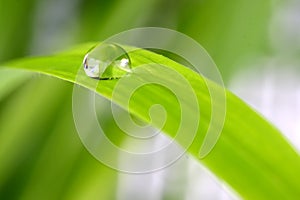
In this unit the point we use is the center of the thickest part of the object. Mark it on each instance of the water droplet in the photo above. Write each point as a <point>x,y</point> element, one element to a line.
<point>107,61</point>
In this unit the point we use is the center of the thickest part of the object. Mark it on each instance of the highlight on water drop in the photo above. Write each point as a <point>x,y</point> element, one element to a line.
<point>107,61</point>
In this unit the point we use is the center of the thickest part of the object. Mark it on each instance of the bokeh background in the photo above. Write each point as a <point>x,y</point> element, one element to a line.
<point>255,44</point>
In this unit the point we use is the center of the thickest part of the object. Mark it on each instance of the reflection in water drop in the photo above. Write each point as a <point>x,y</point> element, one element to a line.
<point>107,61</point>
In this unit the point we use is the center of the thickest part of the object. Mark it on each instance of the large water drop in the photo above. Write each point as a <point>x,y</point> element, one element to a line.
<point>107,61</point>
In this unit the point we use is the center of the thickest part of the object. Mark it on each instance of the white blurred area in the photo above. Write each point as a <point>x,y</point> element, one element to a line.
<point>185,179</point>
<point>269,84</point>
<point>272,87</point>
<point>272,84</point>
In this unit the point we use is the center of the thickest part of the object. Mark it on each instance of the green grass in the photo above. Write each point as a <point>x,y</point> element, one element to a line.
<point>250,155</point>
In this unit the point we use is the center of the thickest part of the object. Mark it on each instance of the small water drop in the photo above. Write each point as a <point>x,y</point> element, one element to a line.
<point>107,61</point>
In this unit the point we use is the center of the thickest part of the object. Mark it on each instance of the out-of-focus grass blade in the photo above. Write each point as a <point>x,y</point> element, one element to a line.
<point>40,153</point>
<point>15,23</point>
<point>251,155</point>
<point>63,163</point>
<point>11,79</point>
<point>232,33</point>
<point>112,16</point>
<point>24,119</point>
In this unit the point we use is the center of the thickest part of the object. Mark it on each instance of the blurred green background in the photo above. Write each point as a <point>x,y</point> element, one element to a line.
<point>41,156</point>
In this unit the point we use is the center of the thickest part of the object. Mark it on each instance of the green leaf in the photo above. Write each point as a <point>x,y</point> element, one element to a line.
<point>250,155</point>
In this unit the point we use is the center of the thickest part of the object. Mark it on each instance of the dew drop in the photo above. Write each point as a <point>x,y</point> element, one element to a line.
<point>107,61</point>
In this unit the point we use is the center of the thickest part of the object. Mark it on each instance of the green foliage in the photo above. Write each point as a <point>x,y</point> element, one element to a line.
<point>40,153</point>
<point>251,155</point>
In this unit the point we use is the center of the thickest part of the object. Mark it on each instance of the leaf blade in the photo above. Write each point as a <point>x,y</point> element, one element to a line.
<point>253,165</point>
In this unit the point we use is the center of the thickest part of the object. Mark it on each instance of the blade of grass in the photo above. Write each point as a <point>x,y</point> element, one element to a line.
<point>251,155</point>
